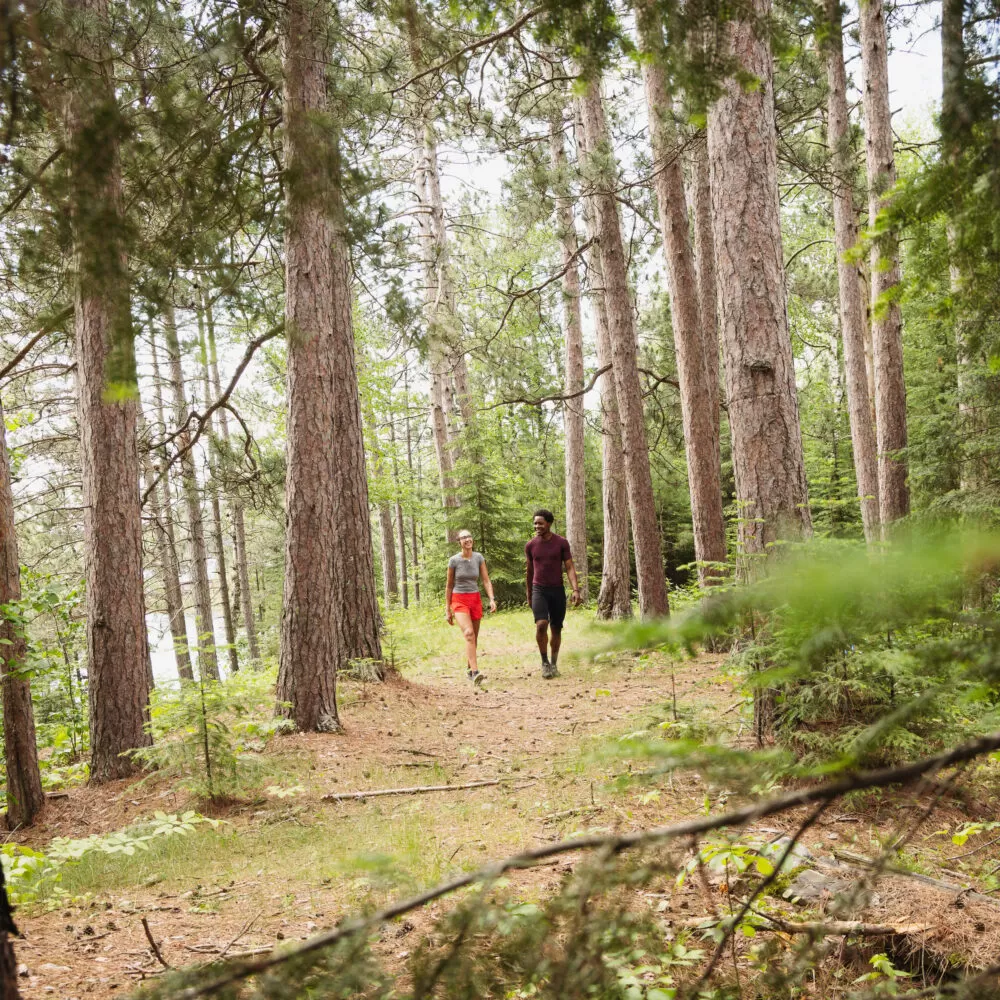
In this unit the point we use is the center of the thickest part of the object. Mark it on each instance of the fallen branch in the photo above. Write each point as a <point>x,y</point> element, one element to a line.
<point>818,927</point>
<point>154,945</point>
<point>862,861</point>
<point>611,845</point>
<point>415,790</point>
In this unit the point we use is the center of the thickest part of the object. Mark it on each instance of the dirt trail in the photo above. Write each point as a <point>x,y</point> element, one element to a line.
<point>398,734</point>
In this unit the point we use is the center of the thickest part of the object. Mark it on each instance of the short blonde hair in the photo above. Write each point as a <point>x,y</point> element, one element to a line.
<point>464,533</point>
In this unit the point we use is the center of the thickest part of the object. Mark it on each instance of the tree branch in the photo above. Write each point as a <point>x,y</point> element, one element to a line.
<point>613,845</point>
<point>479,43</point>
<point>50,327</point>
<point>203,418</point>
<point>549,399</point>
<point>534,290</point>
<point>32,181</point>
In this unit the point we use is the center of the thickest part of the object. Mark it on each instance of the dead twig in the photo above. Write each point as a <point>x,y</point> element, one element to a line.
<point>154,945</point>
<point>975,850</point>
<point>414,790</point>
<point>243,930</point>
<point>818,927</point>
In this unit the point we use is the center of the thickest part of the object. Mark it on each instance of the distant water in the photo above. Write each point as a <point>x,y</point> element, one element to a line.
<point>161,647</point>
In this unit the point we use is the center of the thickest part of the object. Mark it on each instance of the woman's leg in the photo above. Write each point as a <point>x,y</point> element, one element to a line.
<point>469,630</point>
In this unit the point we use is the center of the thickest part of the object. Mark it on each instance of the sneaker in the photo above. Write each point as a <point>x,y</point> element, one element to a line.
<point>477,678</point>
<point>549,671</point>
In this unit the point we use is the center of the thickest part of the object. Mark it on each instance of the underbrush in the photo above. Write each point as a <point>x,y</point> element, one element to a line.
<point>208,736</point>
<point>67,866</point>
<point>852,657</point>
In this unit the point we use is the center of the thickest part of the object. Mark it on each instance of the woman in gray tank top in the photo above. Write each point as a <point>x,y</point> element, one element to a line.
<point>462,600</point>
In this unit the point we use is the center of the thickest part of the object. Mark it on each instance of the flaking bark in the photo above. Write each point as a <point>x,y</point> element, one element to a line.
<point>852,307</point>
<point>117,643</point>
<point>692,342</point>
<point>760,374</point>
<point>25,797</point>
<point>887,320</point>
<point>622,337</point>
<point>330,609</point>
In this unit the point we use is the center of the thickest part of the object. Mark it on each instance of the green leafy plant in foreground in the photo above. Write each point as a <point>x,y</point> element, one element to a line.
<point>33,876</point>
<point>871,655</point>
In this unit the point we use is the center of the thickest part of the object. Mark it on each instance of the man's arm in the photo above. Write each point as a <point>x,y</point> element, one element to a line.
<point>529,572</point>
<point>571,572</point>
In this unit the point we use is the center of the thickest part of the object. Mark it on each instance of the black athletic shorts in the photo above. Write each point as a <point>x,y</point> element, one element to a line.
<point>549,604</point>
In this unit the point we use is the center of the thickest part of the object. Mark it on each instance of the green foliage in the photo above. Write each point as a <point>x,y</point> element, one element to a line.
<point>34,876</point>
<point>207,735</point>
<point>869,652</point>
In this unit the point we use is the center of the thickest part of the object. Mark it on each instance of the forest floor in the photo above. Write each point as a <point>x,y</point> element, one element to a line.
<point>285,864</point>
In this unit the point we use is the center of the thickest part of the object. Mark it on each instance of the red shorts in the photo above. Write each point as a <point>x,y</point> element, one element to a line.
<point>469,604</point>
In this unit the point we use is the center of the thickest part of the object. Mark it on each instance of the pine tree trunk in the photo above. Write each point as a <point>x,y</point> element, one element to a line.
<point>235,506</point>
<point>614,599</point>
<point>698,391</point>
<point>622,337</point>
<point>700,199</point>
<point>208,666</point>
<point>169,558</point>
<point>117,643</point>
<point>358,615</point>
<point>887,320</point>
<point>215,488</point>
<point>169,572</point>
<point>330,609</point>
<point>573,409</point>
<point>387,546</point>
<point>243,576</point>
<point>409,465</point>
<point>447,363</point>
<point>852,308</point>
<point>25,797</point>
<point>311,647</point>
<point>400,523</point>
<point>955,123</point>
<point>760,373</point>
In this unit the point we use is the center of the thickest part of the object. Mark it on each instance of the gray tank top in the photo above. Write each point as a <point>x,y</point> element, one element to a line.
<point>466,572</point>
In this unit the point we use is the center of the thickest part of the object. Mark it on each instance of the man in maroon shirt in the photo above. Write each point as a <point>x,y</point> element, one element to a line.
<point>546,553</point>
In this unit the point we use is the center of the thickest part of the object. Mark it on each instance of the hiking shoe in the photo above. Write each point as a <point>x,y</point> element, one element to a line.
<point>549,671</point>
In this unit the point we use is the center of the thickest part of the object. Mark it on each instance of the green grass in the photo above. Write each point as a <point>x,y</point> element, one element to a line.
<point>355,855</point>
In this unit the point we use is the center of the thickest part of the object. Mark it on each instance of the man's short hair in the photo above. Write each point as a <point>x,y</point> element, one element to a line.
<point>547,514</point>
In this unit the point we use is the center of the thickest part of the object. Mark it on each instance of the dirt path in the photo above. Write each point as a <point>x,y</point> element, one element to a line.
<point>278,871</point>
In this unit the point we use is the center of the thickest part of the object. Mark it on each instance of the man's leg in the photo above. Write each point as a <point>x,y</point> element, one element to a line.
<point>557,615</point>
<point>542,638</point>
<point>540,609</point>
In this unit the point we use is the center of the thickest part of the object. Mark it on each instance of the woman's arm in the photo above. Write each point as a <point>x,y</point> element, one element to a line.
<point>485,576</point>
<point>448,587</point>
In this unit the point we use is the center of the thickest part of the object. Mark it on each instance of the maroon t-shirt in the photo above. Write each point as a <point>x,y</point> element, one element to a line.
<point>545,560</point>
